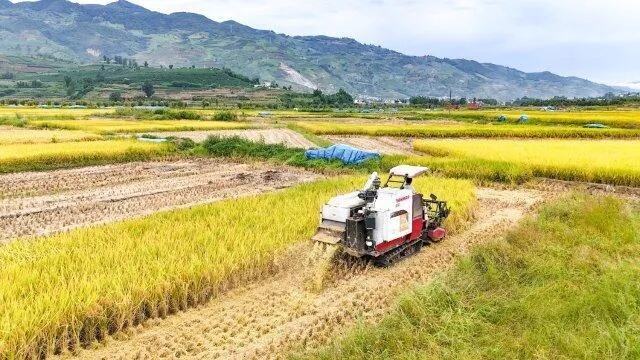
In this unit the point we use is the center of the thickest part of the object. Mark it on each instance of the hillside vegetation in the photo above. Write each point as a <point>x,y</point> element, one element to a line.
<point>305,62</point>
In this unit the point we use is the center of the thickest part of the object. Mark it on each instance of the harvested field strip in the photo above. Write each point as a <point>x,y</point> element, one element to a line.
<point>562,286</point>
<point>287,137</point>
<point>382,145</point>
<point>604,161</point>
<point>119,126</point>
<point>28,157</point>
<point>464,130</point>
<point>12,135</point>
<point>71,289</point>
<point>31,184</point>
<point>214,180</point>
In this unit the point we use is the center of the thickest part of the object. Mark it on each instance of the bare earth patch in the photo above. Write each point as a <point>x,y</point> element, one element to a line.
<point>269,318</point>
<point>50,202</point>
<point>287,137</point>
<point>382,145</point>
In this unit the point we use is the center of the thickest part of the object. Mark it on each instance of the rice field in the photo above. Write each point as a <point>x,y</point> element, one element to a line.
<point>33,112</point>
<point>27,157</point>
<point>117,126</point>
<point>13,135</point>
<point>71,289</point>
<point>627,118</point>
<point>463,130</point>
<point>615,162</point>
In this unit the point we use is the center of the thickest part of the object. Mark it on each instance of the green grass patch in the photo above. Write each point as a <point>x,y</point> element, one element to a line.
<point>238,147</point>
<point>157,114</point>
<point>562,286</point>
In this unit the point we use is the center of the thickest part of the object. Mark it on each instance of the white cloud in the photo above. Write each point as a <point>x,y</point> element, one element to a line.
<point>595,39</point>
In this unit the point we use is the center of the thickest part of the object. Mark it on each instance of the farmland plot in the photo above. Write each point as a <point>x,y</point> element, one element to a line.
<point>612,162</point>
<point>119,126</point>
<point>382,145</point>
<point>269,318</point>
<point>439,130</point>
<point>128,191</point>
<point>13,135</point>
<point>26,157</point>
<point>71,289</point>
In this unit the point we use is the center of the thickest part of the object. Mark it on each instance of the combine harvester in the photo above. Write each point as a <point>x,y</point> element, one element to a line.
<point>384,223</point>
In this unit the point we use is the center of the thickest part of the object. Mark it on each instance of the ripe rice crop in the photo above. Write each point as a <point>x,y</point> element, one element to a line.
<point>68,290</point>
<point>464,130</point>
<point>32,112</point>
<point>114,126</point>
<point>605,161</point>
<point>11,135</point>
<point>614,118</point>
<point>25,157</point>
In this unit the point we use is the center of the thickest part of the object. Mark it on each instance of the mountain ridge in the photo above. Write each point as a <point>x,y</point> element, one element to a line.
<point>84,33</point>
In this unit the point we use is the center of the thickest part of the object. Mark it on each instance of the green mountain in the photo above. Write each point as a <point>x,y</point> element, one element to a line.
<point>59,29</point>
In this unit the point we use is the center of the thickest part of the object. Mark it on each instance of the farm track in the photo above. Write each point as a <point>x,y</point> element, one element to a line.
<point>287,137</point>
<point>383,145</point>
<point>118,192</point>
<point>267,319</point>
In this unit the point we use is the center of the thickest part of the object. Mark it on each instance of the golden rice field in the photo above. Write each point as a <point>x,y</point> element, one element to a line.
<point>70,289</point>
<point>113,126</point>
<point>22,157</point>
<point>628,118</point>
<point>463,130</point>
<point>614,162</point>
<point>32,112</point>
<point>13,135</point>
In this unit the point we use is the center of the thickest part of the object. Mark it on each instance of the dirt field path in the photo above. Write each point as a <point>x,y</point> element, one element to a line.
<point>63,200</point>
<point>270,136</point>
<point>383,145</point>
<point>271,317</point>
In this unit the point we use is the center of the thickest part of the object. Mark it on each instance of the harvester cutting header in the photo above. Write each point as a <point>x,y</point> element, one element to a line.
<point>384,222</point>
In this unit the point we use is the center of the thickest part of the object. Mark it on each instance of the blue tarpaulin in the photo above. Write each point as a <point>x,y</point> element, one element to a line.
<point>344,153</point>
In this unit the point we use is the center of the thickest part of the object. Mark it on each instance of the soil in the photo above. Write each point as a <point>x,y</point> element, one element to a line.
<point>35,204</point>
<point>287,137</point>
<point>268,319</point>
<point>382,145</point>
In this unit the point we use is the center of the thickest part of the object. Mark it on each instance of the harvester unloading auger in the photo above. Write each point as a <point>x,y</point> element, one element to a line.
<point>384,222</point>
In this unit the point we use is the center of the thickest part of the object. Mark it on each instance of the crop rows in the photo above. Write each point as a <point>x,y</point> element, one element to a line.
<point>117,126</point>
<point>605,161</point>
<point>464,130</point>
<point>27,157</point>
<point>71,289</point>
<point>12,135</point>
<point>613,118</point>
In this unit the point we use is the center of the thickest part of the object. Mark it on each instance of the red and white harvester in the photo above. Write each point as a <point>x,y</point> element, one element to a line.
<point>384,222</point>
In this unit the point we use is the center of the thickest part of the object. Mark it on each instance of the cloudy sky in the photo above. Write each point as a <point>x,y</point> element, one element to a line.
<point>594,39</point>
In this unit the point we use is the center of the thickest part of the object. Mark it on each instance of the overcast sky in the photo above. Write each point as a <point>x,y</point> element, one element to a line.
<point>595,39</point>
